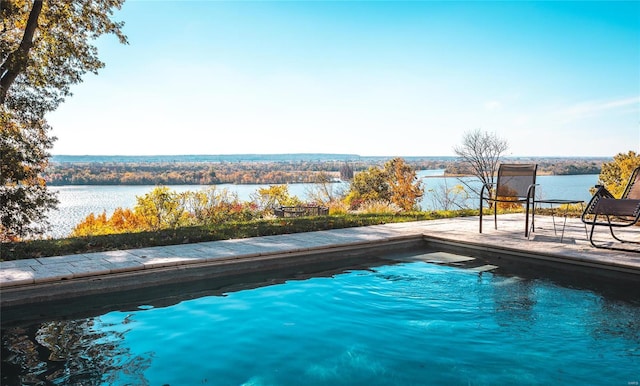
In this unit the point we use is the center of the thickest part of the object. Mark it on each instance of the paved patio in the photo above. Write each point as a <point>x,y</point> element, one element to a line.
<point>547,242</point>
<point>571,247</point>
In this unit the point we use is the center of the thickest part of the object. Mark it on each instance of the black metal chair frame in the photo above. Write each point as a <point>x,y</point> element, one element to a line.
<point>617,212</point>
<point>511,193</point>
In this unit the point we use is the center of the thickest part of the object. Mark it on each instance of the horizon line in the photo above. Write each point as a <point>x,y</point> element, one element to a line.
<point>313,154</point>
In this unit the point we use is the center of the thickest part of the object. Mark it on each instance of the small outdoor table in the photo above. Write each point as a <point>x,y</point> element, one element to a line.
<point>554,201</point>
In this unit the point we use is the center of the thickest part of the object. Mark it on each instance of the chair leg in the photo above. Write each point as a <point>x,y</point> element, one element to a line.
<point>621,240</point>
<point>526,221</point>
<point>617,237</point>
<point>593,226</point>
<point>480,214</point>
<point>611,230</point>
<point>533,218</point>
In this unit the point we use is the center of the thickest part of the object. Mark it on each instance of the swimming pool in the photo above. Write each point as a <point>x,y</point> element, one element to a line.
<point>408,323</point>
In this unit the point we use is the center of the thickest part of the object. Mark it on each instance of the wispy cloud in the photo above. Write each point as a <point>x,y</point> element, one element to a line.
<point>492,105</point>
<point>591,109</point>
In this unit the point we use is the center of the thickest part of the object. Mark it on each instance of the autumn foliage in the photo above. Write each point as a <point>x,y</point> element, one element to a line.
<point>394,187</point>
<point>615,174</point>
<point>396,183</point>
<point>163,208</point>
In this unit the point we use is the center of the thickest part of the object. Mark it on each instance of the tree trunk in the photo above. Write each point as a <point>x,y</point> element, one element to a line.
<point>16,62</point>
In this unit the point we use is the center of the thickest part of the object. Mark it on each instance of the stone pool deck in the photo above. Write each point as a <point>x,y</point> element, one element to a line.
<point>544,244</point>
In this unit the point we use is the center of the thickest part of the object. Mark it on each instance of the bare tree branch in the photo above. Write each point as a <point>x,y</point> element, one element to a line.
<point>482,152</point>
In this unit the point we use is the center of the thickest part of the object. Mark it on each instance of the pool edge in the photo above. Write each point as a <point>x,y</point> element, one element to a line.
<point>312,258</point>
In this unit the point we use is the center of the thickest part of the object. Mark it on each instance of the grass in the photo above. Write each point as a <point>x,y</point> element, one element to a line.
<point>231,230</point>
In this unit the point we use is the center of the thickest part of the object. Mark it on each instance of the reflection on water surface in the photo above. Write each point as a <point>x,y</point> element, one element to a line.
<point>406,323</point>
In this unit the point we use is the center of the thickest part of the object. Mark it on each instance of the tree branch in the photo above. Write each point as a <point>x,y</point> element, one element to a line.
<point>16,61</point>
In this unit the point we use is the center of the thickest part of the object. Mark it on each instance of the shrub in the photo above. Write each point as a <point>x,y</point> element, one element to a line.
<point>379,207</point>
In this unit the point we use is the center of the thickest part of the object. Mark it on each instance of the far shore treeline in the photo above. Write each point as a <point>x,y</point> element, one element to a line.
<point>262,169</point>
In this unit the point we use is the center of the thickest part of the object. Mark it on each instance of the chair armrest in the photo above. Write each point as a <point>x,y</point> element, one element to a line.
<point>601,191</point>
<point>531,192</point>
<point>486,187</point>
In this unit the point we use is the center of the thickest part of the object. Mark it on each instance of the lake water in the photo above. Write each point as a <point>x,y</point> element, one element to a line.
<point>77,202</point>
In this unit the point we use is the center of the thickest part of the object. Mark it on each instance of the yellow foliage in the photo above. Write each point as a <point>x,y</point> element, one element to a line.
<point>615,174</point>
<point>508,205</point>
<point>338,208</point>
<point>122,221</point>
<point>274,196</point>
<point>378,207</point>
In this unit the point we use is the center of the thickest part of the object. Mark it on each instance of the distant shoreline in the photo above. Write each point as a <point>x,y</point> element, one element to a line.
<point>264,169</point>
<point>285,157</point>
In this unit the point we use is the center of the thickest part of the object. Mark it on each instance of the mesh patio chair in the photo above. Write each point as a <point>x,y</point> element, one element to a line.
<point>606,210</point>
<point>515,184</point>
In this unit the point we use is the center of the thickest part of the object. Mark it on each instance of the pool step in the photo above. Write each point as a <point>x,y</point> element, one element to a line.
<point>443,258</point>
<point>447,258</point>
<point>483,268</point>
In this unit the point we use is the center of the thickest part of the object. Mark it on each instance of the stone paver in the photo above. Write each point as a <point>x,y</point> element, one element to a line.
<point>509,236</point>
<point>17,276</point>
<point>52,272</point>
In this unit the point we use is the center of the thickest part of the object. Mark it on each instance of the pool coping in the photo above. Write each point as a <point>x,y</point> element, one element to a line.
<point>606,267</point>
<point>165,274</point>
<point>35,281</point>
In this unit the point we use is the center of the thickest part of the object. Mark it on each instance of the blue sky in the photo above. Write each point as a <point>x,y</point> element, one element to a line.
<point>380,78</point>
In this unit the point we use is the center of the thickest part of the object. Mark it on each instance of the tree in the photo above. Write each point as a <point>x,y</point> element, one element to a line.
<point>447,198</point>
<point>481,152</point>
<point>405,187</point>
<point>44,49</point>
<point>394,183</point>
<point>24,199</point>
<point>216,206</point>
<point>323,192</point>
<point>369,185</point>
<point>615,174</point>
<point>162,208</point>
<point>346,172</point>
<point>266,199</point>
<point>121,221</point>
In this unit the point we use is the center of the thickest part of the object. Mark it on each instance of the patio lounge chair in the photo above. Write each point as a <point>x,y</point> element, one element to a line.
<point>515,184</point>
<point>604,209</point>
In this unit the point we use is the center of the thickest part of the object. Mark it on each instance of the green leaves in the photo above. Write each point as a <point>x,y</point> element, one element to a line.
<point>45,47</point>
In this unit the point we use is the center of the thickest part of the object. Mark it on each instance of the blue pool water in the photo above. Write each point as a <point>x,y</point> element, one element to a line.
<point>410,323</point>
